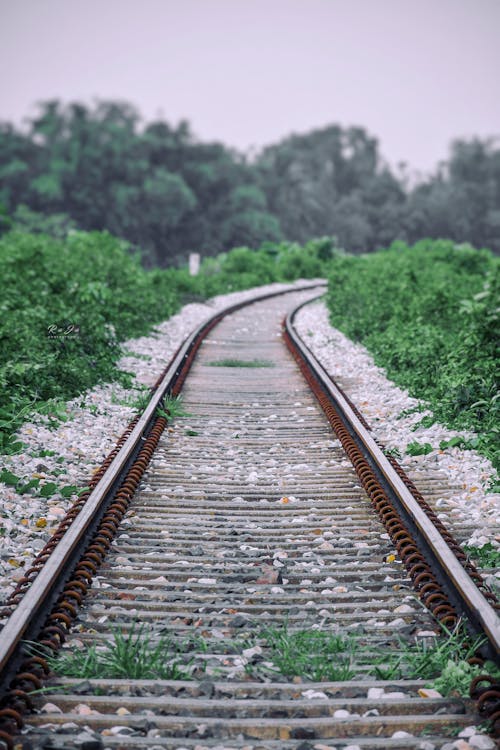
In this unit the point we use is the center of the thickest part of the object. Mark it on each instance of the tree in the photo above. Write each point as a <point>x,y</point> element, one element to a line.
<point>167,193</point>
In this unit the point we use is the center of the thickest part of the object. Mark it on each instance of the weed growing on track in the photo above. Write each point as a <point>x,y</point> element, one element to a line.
<point>393,453</point>
<point>229,362</point>
<point>172,408</point>
<point>441,660</point>
<point>319,655</point>
<point>137,655</point>
<point>138,403</point>
<point>313,654</point>
<point>486,556</point>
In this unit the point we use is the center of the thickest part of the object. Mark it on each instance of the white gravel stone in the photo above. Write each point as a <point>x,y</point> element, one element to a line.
<point>401,735</point>
<point>468,732</point>
<point>341,713</point>
<point>481,742</point>
<point>397,624</point>
<point>375,694</point>
<point>314,694</point>
<point>394,696</point>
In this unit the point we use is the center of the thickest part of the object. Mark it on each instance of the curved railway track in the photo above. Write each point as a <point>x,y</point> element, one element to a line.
<point>252,522</point>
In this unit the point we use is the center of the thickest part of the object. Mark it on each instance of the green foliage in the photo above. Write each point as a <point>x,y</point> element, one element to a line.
<point>430,316</point>
<point>35,486</point>
<point>460,442</point>
<point>65,305</point>
<point>313,654</point>
<point>136,655</point>
<point>242,268</point>
<point>241,363</point>
<point>156,186</point>
<point>455,678</point>
<point>165,191</point>
<point>486,556</point>
<point>419,449</point>
<point>55,225</point>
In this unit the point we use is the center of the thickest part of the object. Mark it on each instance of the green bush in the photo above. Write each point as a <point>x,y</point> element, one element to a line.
<point>65,305</point>
<point>240,268</point>
<point>429,315</point>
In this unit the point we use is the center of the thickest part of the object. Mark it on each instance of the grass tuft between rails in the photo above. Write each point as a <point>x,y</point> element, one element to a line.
<point>172,408</point>
<point>487,556</point>
<point>231,362</point>
<point>137,655</point>
<point>311,654</point>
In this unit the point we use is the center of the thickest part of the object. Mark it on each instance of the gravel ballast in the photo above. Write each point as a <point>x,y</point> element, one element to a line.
<point>66,453</point>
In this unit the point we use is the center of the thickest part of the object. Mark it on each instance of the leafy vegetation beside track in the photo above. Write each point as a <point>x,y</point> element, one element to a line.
<point>66,303</point>
<point>430,316</point>
<point>65,306</point>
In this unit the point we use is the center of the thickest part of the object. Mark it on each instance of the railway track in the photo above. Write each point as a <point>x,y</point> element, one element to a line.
<point>251,559</point>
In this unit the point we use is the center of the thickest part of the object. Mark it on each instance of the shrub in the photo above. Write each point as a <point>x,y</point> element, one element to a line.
<point>429,314</point>
<point>65,306</point>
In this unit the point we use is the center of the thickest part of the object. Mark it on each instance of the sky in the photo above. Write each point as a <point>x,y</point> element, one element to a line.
<point>415,73</point>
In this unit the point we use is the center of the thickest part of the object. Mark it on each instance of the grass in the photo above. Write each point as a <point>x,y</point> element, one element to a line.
<point>138,655</point>
<point>317,655</point>
<point>172,408</point>
<point>138,402</point>
<point>313,654</point>
<point>486,556</point>
<point>441,660</point>
<point>231,362</point>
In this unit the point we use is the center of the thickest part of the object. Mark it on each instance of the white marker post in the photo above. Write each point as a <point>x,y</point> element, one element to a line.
<point>194,264</point>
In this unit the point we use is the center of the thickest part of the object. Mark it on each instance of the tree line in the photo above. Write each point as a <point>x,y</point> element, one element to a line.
<point>166,192</point>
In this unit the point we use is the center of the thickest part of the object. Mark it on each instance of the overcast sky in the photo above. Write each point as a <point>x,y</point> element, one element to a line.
<point>415,73</point>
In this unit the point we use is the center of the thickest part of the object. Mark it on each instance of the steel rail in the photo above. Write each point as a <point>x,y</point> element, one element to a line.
<point>460,587</point>
<point>28,617</point>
